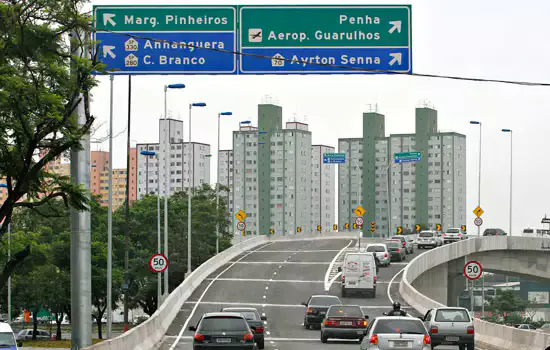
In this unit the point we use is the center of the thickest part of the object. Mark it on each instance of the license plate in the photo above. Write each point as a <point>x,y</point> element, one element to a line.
<point>360,332</point>
<point>346,323</point>
<point>451,338</point>
<point>223,340</point>
<point>351,282</point>
<point>400,344</point>
<point>322,312</point>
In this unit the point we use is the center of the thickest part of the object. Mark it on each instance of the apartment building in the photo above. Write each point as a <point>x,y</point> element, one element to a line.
<point>428,192</point>
<point>322,189</point>
<point>151,168</point>
<point>225,178</point>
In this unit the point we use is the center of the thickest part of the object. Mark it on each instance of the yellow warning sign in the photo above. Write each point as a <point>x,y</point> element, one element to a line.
<point>478,211</point>
<point>359,211</point>
<point>241,215</point>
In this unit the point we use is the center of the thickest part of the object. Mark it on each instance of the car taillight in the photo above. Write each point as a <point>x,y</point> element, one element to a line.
<point>404,243</point>
<point>343,279</point>
<point>434,330</point>
<point>398,251</point>
<point>374,278</point>
<point>248,336</point>
<point>309,310</point>
<point>470,330</point>
<point>198,337</point>
<point>374,339</point>
<point>363,323</point>
<point>259,329</point>
<point>442,235</point>
<point>385,254</point>
<point>427,340</point>
<point>330,323</point>
<point>460,234</point>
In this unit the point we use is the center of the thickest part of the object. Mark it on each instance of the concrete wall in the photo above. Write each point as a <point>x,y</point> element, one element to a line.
<point>524,254</point>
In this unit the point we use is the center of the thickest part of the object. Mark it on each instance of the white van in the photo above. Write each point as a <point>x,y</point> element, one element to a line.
<point>359,274</point>
<point>7,338</point>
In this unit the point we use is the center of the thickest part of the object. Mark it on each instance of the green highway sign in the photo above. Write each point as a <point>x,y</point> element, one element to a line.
<point>165,18</point>
<point>407,157</point>
<point>330,39</point>
<point>325,26</point>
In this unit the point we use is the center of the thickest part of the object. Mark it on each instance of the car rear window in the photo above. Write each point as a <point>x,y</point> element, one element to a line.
<point>426,234</point>
<point>324,301</point>
<point>223,323</point>
<point>399,238</point>
<point>399,326</point>
<point>393,244</point>
<point>345,311</point>
<point>452,315</point>
<point>248,314</point>
<point>453,230</point>
<point>375,248</point>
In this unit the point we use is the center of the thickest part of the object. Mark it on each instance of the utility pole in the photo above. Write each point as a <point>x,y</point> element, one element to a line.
<point>81,258</point>
<point>127,212</point>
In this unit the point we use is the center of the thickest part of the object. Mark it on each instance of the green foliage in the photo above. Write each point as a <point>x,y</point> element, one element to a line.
<point>506,301</point>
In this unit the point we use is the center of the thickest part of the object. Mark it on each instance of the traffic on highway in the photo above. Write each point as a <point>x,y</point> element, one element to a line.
<point>311,294</point>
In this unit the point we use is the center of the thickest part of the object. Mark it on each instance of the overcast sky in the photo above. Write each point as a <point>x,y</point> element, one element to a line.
<point>489,39</point>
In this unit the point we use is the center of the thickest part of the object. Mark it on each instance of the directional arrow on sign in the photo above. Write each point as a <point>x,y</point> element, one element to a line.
<point>108,18</point>
<point>396,25</point>
<point>108,50</point>
<point>397,57</point>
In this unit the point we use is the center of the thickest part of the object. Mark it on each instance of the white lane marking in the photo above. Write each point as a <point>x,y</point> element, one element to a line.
<point>188,337</point>
<point>296,306</point>
<point>301,251</point>
<point>202,296</point>
<point>391,281</point>
<point>332,281</point>
<point>266,280</point>
<point>331,265</point>
<point>279,262</point>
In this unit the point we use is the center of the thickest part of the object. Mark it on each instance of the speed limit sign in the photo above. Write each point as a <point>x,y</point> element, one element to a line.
<point>473,270</point>
<point>359,221</point>
<point>158,263</point>
<point>241,226</point>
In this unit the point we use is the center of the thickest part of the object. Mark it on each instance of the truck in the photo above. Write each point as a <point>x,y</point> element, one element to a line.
<point>358,274</point>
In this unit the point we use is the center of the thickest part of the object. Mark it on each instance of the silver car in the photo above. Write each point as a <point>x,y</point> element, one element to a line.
<point>428,239</point>
<point>452,235</point>
<point>381,251</point>
<point>450,326</point>
<point>392,332</point>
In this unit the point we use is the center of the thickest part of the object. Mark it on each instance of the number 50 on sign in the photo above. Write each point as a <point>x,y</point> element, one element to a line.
<point>473,270</point>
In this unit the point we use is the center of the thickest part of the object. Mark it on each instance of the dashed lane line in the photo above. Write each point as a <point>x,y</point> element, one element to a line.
<point>204,293</point>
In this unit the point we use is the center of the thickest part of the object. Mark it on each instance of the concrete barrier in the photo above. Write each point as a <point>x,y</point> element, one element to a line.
<point>146,335</point>
<point>149,333</point>
<point>488,334</point>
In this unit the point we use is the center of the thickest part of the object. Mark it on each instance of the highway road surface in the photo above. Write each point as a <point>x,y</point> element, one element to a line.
<point>275,278</point>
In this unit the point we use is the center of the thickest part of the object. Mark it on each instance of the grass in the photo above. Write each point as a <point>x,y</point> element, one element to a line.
<point>52,343</point>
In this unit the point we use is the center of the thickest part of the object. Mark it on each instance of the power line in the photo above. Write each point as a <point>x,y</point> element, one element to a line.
<point>344,67</point>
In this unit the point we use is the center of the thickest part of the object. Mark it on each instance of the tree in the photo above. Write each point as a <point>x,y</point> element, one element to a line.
<point>506,301</point>
<point>39,96</point>
<point>142,289</point>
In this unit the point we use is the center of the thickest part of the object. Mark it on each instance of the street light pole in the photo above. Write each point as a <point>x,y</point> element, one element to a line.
<point>479,175</point>
<point>189,155</point>
<point>167,150</point>
<point>218,184</point>
<point>110,219</point>
<point>511,171</point>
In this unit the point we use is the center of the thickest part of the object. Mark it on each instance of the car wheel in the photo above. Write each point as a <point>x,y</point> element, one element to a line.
<point>470,347</point>
<point>306,325</point>
<point>260,344</point>
<point>344,293</point>
<point>361,339</point>
<point>323,338</point>
<point>420,247</point>
<point>433,346</point>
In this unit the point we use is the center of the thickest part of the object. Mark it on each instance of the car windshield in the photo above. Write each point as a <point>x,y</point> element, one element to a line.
<point>399,326</point>
<point>345,311</point>
<point>426,234</point>
<point>546,325</point>
<point>452,315</point>
<point>453,230</point>
<point>324,301</point>
<point>223,323</point>
<point>375,248</point>
<point>6,338</point>
<point>248,314</point>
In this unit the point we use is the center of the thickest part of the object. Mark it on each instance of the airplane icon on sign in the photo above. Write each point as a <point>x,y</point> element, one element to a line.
<point>255,35</point>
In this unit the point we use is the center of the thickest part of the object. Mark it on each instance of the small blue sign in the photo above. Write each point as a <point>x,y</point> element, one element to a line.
<point>334,158</point>
<point>296,60</point>
<point>168,52</point>
<point>407,157</point>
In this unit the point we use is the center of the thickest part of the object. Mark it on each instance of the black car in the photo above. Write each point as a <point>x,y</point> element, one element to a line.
<point>254,319</point>
<point>494,232</point>
<point>223,330</point>
<point>344,322</point>
<point>316,309</point>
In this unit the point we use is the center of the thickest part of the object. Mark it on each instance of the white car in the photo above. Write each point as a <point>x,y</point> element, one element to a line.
<point>428,239</point>
<point>381,251</point>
